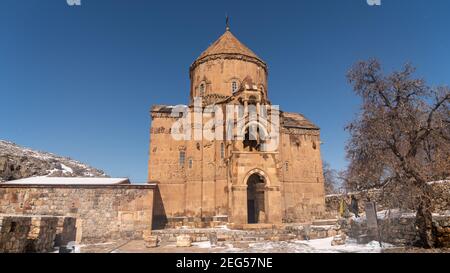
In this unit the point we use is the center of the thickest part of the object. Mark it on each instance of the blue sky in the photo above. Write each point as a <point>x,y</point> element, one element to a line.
<point>79,81</point>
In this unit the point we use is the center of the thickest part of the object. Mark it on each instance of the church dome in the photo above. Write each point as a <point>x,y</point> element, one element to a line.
<point>228,47</point>
<point>219,71</point>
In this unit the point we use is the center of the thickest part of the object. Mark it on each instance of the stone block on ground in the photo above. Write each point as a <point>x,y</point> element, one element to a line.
<point>338,240</point>
<point>213,239</point>
<point>150,240</point>
<point>184,241</point>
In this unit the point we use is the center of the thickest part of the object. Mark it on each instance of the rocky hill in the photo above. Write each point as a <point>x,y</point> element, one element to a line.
<point>19,162</point>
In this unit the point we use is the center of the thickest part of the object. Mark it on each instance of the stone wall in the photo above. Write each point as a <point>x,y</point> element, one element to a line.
<point>301,175</point>
<point>442,232</point>
<point>254,232</point>
<point>441,201</point>
<point>398,229</point>
<point>32,233</point>
<point>66,231</point>
<point>14,233</point>
<point>41,237</point>
<point>223,235</point>
<point>103,212</point>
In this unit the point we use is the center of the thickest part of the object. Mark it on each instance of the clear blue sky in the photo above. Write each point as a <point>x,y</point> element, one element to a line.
<point>79,81</point>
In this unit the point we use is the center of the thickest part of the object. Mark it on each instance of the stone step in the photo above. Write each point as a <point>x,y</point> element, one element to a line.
<point>254,226</point>
<point>324,222</point>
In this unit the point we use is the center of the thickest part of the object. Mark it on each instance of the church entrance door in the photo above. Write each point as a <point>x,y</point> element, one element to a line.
<point>255,199</point>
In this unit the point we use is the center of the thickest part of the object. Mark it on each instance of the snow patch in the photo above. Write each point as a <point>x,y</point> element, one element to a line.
<point>439,182</point>
<point>205,244</point>
<point>66,169</point>
<point>311,246</point>
<point>45,180</point>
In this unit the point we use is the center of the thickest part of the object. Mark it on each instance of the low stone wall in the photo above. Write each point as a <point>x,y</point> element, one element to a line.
<point>442,232</point>
<point>400,229</point>
<point>191,222</point>
<point>314,232</point>
<point>441,200</point>
<point>32,233</point>
<point>284,232</point>
<point>224,235</point>
<point>14,233</point>
<point>103,213</point>
<point>66,231</point>
<point>41,237</point>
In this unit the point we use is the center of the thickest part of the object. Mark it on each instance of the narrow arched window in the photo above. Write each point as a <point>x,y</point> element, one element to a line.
<point>286,166</point>
<point>234,87</point>
<point>182,157</point>
<point>252,100</point>
<point>202,89</point>
<point>190,163</point>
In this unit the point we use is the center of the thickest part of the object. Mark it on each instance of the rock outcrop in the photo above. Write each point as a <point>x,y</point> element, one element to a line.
<point>18,162</point>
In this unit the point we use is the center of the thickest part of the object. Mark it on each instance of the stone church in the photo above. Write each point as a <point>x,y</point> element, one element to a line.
<point>234,180</point>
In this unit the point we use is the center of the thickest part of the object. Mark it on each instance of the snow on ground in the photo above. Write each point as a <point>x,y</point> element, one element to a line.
<point>293,246</point>
<point>395,213</point>
<point>439,182</point>
<point>386,214</point>
<point>206,244</point>
<point>296,246</point>
<point>66,169</point>
<point>324,246</point>
<point>77,248</point>
<point>313,246</point>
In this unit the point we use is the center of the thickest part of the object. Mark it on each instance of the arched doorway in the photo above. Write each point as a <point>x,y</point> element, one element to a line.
<point>255,199</point>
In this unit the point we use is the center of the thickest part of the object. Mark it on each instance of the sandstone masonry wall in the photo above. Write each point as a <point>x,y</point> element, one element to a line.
<point>29,233</point>
<point>103,212</point>
<point>42,234</point>
<point>398,230</point>
<point>13,233</point>
<point>441,200</point>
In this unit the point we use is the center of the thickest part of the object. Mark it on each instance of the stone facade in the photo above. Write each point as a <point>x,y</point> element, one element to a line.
<point>102,213</point>
<point>235,179</point>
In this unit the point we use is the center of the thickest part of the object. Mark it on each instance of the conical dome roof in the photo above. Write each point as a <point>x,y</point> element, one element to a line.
<point>228,44</point>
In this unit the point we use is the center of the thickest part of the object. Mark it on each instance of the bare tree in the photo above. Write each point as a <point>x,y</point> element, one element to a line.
<point>401,138</point>
<point>330,179</point>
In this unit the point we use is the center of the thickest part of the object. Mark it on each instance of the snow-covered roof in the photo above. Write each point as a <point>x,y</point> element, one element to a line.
<point>45,180</point>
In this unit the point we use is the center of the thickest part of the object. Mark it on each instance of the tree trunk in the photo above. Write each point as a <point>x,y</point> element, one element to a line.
<point>424,223</point>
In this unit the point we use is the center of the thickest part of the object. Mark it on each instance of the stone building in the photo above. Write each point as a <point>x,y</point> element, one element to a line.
<point>263,165</point>
<point>103,208</point>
